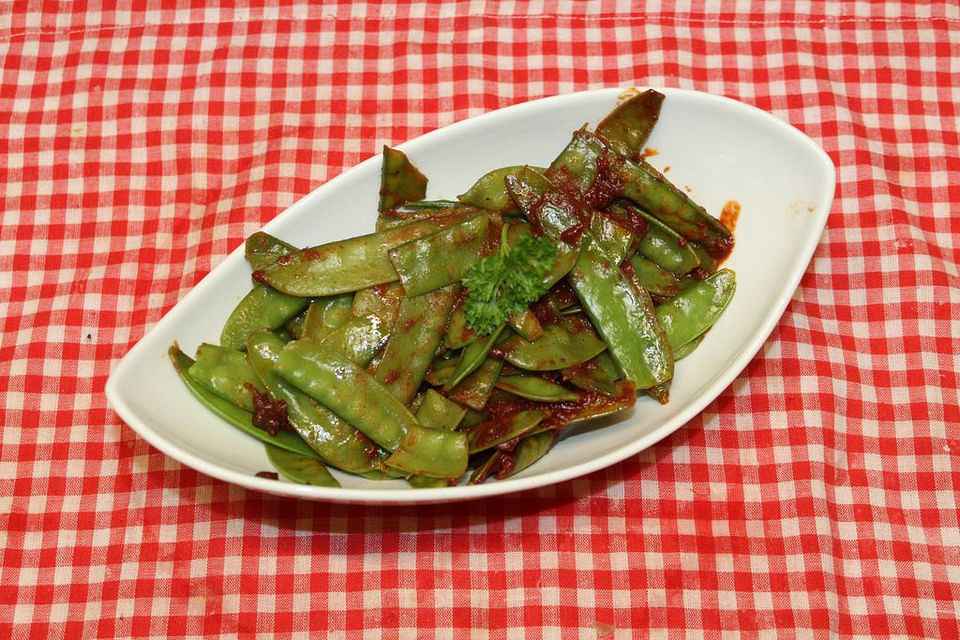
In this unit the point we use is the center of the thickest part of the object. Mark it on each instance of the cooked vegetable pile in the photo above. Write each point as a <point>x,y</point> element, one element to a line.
<point>467,334</point>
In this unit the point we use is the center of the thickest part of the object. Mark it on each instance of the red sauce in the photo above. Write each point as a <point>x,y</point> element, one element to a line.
<point>608,183</point>
<point>260,276</point>
<point>730,214</point>
<point>544,314</point>
<point>497,353</point>
<point>269,475</point>
<point>372,452</point>
<point>507,464</point>
<point>649,152</point>
<point>391,377</point>
<point>268,414</point>
<point>287,258</point>
<point>627,267</point>
<point>572,235</point>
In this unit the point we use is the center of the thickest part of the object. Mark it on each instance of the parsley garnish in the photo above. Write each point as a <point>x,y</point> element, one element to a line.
<point>506,282</point>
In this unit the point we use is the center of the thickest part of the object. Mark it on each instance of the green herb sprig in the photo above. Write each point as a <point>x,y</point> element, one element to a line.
<point>507,282</point>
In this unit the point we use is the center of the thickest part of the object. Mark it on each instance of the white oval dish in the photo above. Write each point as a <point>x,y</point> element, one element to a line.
<point>717,148</point>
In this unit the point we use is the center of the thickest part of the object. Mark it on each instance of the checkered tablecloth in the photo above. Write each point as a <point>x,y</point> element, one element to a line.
<point>817,496</point>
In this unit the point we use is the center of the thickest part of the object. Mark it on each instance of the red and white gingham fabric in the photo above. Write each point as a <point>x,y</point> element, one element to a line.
<point>816,497</point>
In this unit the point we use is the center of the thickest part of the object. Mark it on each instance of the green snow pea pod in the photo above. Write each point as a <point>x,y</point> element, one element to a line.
<point>628,126</point>
<point>648,188</point>
<point>660,243</point>
<point>427,204</point>
<point>240,418</point>
<point>336,441</point>
<point>400,181</point>
<point>431,452</point>
<point>609,240</point>
<point>476,388</point>
<point>684,350</point>
<point>482,472</point>
<point>526,324</point>
<point>358,338</point>
<point>577,163</point>
<point>227,373</point>
<point>647,274</point>
<point>529,450</point>
<point>326,315</point>
<point>499,430</point>
<point>472,356</point>
<point>344,388</point>
<point>425,482</point>
<point>473,417</point>
<point>598,375</point>
<point>342,266</point>
<point>262,308</point>
<point>441,258</point>
<point>294,326</point>
<point>441,372</point>
<point>490,191</point>
<point>535,388</point>
<point>556,349</point>
<point>382,301</point>
<point>527,187</point>
<point>707,262</point>
<point>440,217</point>
<point>593,406</point>
<point>300,469</point>
<point>458,334</point>
<point>417,334</point>
<point>262,249</point>
<point>695,310</point>
<point>623,315</point>
<point>437,412</point>
<point>660,392</point>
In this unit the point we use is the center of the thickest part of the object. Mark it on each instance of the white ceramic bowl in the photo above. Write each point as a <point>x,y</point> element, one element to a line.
<point>718,148</point>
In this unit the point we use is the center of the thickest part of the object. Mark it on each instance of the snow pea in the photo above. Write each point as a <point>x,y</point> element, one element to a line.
<point>262,249</point>
<point>339,443</point>
<point>441,258</point>
<point>472,356</point>
<point>342,266</point>
<point>358,338</point>
<point>577,163</point>
<point>417,334</point>
<point>488,466</point>
<point>240,418</point>
<point>535,388</point>
<point>623,315</point>
<point>556,349</point>
<point>684,350</point>
<point>526,324</point>
<point>442,217</point>
<point>427,204</point>
<point>437,412</point>
<point>695,310</point>
<point>659,243</point>
<point>440,372</point>
<point>458,334</point>
<point>707,262</point>
<point>610,240</point>
<point>499,430</point>
<point>490,192</point>
<point>529,450</point>
<point>263,307</point>
<point>294,326</point>
<point>593,406</point>
<point>425,482</point>
<point>326,315</point>
<point>300,469</point>
<point>226,373</point>
<point>433,453</point>
<point>476,388</point>
<point>597,375</point>
<point>400,181</point>
<point>344,388</point>
<point>628,126</point>
<point>647,274</point>
<point>382,301</point>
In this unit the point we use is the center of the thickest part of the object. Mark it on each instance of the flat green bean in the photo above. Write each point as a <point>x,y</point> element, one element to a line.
<point>239,418</point>
<point>526,323</point>
<point>339,443</point>
<point>441,258</point>
<point>400,181</point>
<point>342,266</point>
<point>458,333</point>
<point>416,336</point>
<point>300,469</point>
<point>684,350</point>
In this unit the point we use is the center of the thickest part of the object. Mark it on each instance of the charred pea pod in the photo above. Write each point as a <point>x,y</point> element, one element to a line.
<point>695,310</point>
<point>628,126</point>
<point>436,260</point>
<point>339,443</point>
<point>416,336</point>
<point>342,266</point>
<point>300,469</point>
<point>556,349</point>
<point>400,181</point>
<point>227,373</point>
<point>240,418</point>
